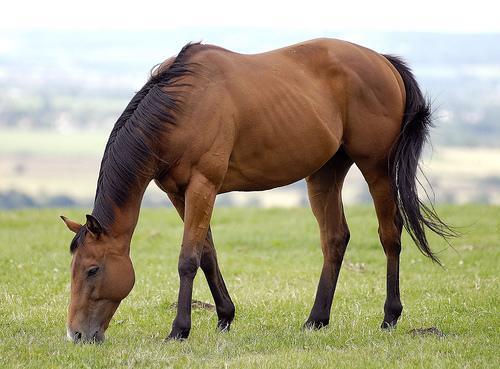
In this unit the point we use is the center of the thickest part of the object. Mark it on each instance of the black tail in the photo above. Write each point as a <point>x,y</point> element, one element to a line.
<point>404,165</point>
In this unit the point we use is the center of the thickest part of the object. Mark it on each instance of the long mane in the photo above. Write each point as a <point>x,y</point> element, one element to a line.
<point>130,145</point>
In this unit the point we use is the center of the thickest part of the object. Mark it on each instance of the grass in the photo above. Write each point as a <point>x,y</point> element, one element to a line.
<point>271,261</point>
<point>25,142</point>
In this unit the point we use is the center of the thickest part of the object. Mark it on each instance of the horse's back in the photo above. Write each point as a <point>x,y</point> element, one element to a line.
<point>289,110</point>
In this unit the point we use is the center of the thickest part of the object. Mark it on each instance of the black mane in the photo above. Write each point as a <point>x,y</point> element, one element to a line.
<point>130,145</point>
<point>78,239</point>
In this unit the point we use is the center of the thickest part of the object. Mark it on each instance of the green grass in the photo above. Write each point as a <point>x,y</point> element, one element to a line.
<point>271,261</point>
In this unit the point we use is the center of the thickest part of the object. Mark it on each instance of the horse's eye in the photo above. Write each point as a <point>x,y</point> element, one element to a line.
<point>92,271</point>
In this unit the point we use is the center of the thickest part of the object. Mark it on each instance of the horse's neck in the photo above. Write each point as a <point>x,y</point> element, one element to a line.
<point>127,214</point>
<point>126,217</point>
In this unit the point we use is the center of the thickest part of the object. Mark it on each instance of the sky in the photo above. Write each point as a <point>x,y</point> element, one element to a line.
<point>478,16</point>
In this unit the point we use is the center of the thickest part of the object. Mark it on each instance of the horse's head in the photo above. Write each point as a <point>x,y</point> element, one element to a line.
<point>101,276</point>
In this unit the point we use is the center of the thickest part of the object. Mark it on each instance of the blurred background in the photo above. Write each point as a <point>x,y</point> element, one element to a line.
<point>67,70</point>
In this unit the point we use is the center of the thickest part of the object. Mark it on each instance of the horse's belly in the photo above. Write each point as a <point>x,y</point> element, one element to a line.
<point>267,158</point>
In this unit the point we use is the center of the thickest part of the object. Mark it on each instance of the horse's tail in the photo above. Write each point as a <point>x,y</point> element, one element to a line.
<point>404,164</point>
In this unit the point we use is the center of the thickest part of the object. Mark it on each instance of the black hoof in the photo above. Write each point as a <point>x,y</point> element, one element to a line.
<point>178,335</point>
<point>392,312</point>
<point>315,324</point>
<point>388,325</point>
<point>225,316</point>
<point>224,325</point>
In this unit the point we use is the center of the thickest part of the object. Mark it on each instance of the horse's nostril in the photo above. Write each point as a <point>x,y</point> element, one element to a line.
<point>78,336</point>
<point>97,337</point>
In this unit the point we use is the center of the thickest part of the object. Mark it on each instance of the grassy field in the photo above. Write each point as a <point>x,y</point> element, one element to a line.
<point>271,261</point>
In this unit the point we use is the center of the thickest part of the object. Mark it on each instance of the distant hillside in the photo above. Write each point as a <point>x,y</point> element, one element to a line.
<point>82,80</point>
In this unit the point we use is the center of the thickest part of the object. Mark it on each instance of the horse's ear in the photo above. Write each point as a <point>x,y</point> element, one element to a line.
<point>93,226</point>
<point>72,226</point>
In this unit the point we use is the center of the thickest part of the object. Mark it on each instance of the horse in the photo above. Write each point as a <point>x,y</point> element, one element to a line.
<point>210,121</point>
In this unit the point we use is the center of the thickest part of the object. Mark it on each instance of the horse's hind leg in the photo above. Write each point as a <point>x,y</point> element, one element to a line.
<point>324,189</point>
<point>390,227</point>
<point>209,265</point>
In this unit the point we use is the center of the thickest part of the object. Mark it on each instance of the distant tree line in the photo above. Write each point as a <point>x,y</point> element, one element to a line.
<point>13,199</point>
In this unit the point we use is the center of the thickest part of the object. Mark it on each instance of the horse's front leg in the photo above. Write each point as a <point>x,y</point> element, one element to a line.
<point>208,263</point>
<point>199,201</point>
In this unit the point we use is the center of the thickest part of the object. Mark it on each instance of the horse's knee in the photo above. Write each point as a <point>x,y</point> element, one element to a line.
<point>188,266</point>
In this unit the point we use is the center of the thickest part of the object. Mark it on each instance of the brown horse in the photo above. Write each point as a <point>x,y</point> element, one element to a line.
<point>211,121</point>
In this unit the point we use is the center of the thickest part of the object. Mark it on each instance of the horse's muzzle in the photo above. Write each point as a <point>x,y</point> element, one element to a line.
<point>94,336</point>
